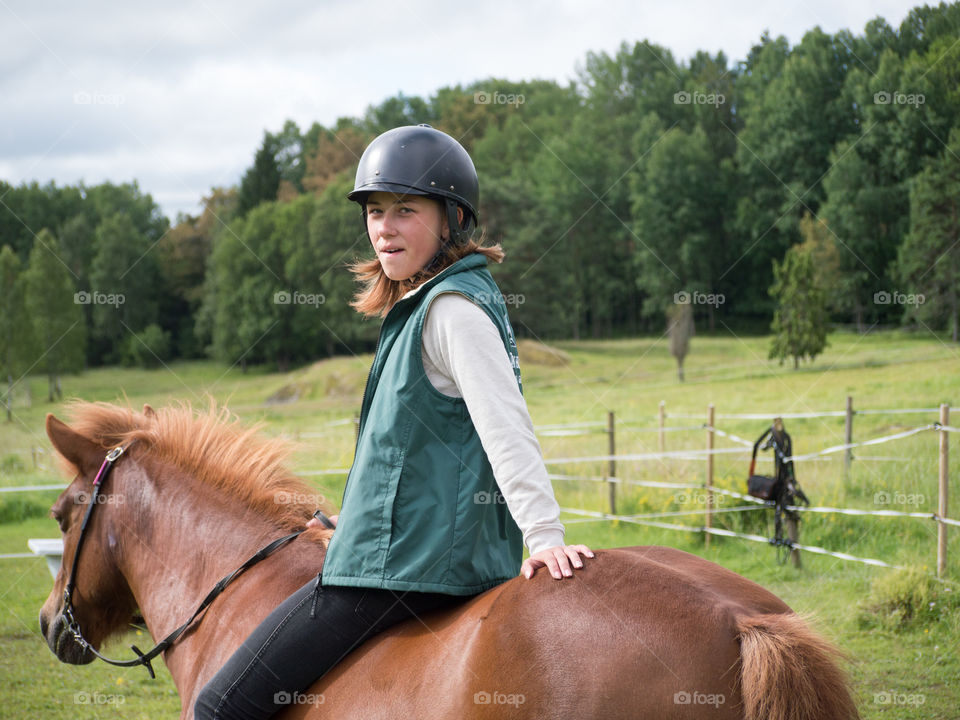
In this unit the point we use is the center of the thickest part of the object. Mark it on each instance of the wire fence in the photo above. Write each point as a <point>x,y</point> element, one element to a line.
<point>941,518</point>
<point>640,425</point>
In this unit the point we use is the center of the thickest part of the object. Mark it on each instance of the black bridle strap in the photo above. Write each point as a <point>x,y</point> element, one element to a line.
<point>102,473</point>
<point>144,658</point>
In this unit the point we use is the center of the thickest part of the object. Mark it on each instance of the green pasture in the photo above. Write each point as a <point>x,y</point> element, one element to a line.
<point>900,629</point>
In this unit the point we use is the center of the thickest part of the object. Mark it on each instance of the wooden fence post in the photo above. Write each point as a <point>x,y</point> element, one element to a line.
<point>612,468</point>
<point>709,517</point>
<point>662,418</point>
<point>942,491</point>
<point>793,533</point>
<point>848,438</point>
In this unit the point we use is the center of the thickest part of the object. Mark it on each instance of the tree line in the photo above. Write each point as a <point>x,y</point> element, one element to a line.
<point>805,184</point>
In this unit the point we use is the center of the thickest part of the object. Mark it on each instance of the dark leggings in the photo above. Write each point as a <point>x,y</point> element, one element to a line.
<point>302,639</point>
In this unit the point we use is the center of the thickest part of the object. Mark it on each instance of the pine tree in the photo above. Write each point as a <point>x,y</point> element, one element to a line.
<point>125,284</point>
<point>929,259</point>
<point>261,181</point>
<point>14,324</point>
<point>800,320</point>
<point>50,300</point>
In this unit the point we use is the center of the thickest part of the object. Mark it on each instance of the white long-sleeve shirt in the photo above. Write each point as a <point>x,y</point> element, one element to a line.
<point>464,356</point>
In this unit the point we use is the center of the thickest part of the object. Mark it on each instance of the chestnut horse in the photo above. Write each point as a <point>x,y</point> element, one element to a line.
<point>640,632</point>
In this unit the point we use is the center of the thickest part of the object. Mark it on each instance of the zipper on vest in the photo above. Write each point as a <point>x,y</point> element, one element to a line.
<point>366,385</point>
<point>434,280</point>
<point>363,401</point>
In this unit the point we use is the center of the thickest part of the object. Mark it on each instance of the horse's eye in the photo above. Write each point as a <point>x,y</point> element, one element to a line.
<point>56,515</point>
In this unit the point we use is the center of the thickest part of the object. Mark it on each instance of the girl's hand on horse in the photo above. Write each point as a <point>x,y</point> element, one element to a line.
<point>557,560</point>
<point>315,522</point>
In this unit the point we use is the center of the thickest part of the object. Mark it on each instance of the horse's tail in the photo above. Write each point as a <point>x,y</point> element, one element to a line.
<point>789,672</point>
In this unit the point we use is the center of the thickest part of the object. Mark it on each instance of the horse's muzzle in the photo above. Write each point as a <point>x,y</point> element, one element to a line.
<point>62,642</point>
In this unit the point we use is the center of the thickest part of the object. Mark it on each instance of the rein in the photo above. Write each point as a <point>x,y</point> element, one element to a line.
<point>144,658</point>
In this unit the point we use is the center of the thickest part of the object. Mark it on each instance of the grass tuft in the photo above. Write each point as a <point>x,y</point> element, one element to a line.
<point>909,599</point>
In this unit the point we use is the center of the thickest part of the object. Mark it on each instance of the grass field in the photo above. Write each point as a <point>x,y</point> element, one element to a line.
<point>901,630</point>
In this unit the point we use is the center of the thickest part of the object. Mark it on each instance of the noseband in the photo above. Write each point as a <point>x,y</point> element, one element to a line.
<point>73,626</point>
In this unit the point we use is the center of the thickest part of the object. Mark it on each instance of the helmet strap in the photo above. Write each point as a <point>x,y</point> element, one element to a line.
<point>457,235</point>
<point>434,265</point>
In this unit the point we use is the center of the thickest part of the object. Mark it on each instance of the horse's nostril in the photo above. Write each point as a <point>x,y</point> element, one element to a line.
<point>44,625</point>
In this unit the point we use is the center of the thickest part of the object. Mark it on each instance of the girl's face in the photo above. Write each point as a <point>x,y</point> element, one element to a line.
<point>406,231</point>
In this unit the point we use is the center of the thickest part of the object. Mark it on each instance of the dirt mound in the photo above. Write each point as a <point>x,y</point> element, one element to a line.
<point>536,353</point>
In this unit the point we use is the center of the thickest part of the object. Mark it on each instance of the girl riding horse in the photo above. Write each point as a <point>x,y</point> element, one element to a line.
<point>448,480</point>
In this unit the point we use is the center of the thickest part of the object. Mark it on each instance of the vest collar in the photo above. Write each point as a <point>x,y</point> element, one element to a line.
<point>470,262</point>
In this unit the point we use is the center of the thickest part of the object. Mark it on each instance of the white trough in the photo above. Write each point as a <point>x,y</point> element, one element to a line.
<point>51,549</point>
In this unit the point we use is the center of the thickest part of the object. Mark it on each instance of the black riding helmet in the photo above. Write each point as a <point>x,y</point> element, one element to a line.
<point>420,160</point>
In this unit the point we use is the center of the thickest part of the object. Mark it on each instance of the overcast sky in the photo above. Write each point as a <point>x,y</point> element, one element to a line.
<point>177,94</point>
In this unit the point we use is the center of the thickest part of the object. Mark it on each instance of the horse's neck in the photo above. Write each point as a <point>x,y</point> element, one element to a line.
<point>187,540</point>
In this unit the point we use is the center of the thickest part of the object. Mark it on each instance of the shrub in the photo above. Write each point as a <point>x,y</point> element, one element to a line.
<point>902,599</point>
<point>147,348</point>
<point>16,510</point>
<point>11,465</point>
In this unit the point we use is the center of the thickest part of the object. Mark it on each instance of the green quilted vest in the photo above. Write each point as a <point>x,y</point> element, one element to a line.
<point>421,509</point>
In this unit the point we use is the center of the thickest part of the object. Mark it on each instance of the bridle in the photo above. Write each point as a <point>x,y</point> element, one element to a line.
<point>144,658</point>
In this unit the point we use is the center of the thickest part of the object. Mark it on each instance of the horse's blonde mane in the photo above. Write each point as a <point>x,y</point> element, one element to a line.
<point>211,445</point>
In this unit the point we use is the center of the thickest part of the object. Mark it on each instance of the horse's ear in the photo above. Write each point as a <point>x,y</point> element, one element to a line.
<point>149,411</point>
<point>82,452</point>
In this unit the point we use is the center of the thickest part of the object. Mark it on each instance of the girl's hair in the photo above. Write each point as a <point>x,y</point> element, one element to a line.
<point>379,293</point>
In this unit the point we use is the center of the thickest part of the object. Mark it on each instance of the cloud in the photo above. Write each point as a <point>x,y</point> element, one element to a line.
<point>178,94</point>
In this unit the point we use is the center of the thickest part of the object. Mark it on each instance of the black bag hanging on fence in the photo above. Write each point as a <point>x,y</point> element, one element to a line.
<point>782,488</point>
<point>764,487</point>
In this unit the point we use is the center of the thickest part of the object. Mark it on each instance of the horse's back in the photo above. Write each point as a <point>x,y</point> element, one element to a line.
<point>638,632</point>
<point>734,592</point>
